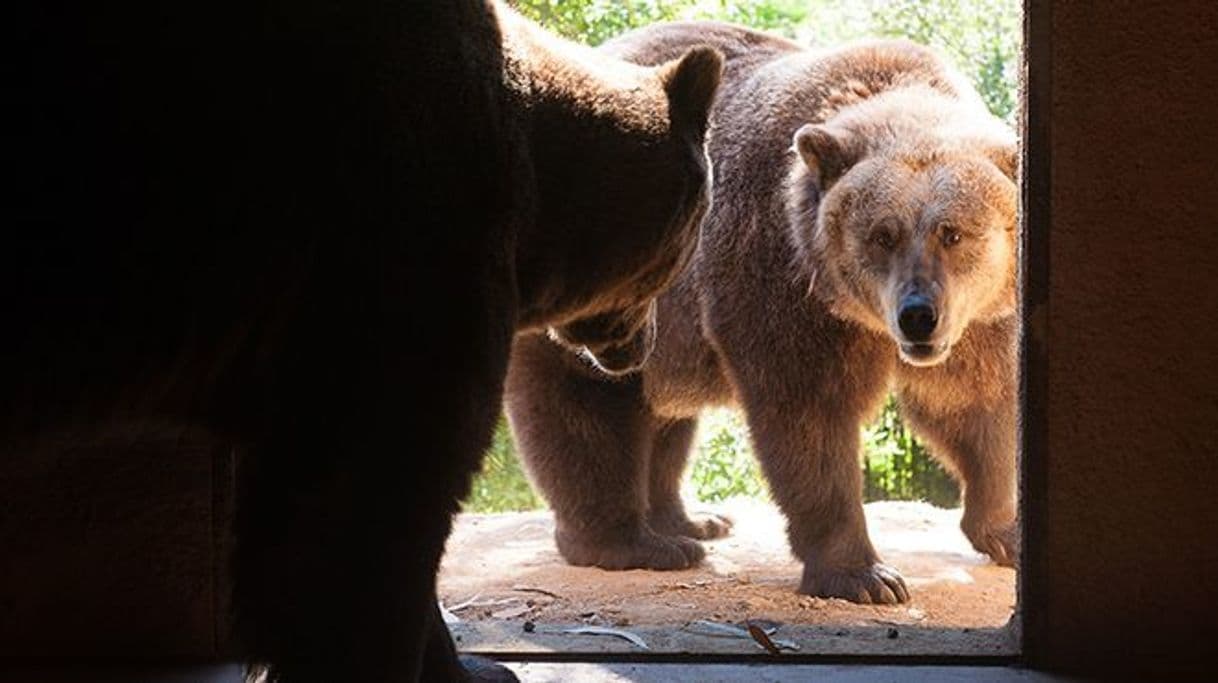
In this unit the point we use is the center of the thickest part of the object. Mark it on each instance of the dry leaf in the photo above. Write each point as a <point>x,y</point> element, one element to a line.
<point>718,630</point>
<point>532,589</point>
<point>763,639</point>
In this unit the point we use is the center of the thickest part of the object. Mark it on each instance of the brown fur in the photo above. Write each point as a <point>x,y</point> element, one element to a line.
<point>615,147</point>
<point>306,235</point>
<point>587,128</point>
<point>814,244</point>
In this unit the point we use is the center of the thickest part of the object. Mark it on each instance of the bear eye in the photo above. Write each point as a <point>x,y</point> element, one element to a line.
<point>949,235</point>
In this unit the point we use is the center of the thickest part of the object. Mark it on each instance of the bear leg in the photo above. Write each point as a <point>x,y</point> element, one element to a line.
<point>584,440</point>
<point>666,511</point>
<point>978,445</point>
<point>810,458</point>
<point>441,662</point>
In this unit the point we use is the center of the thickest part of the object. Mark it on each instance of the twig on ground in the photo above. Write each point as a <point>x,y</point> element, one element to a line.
<point>465,603</point>
<point>534,589</point>
<point>605,631</point>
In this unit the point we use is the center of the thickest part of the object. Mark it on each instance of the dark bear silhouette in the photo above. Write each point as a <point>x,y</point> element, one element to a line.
<point>862,236</point>
<point>307,233</point>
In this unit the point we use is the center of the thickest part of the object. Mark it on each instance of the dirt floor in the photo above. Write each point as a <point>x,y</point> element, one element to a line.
<point>506,589</point>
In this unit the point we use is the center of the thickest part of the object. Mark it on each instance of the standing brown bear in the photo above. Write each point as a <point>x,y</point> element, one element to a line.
<point>862,238</point>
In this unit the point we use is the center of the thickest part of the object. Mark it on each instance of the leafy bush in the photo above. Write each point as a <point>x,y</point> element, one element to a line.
<point>896,466</point>
<point>778,16</point>
<point>723,464</point>
<point>981,36</point>
<point>595,21</point>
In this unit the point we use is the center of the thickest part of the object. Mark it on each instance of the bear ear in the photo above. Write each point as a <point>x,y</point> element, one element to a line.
<point>691,82</point>
<point>1006,158</point>
<point>827,153</point>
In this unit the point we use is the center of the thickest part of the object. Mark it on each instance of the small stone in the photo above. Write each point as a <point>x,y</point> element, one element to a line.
<point>892,633</point>
<point>809,602</point>
<point>529,627</point>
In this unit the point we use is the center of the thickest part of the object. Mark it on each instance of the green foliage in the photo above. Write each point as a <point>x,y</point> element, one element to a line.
<point>595,21</point>
<point>896,466</point>
<point>779,16</point>
<point>723,464</point>
<point>982,36</point>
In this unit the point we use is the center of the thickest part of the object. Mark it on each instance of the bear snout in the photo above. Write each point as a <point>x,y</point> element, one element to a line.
<point>917,318</point>
<point>923,339</point>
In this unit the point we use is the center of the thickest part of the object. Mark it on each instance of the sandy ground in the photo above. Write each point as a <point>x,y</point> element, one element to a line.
<point>507,589</point>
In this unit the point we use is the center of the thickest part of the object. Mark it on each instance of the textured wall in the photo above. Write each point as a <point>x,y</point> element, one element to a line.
<point>1126,550</point>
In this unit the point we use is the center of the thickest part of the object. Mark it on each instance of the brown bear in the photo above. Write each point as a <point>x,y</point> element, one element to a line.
<point>306,234</point>
<point>862,238</point>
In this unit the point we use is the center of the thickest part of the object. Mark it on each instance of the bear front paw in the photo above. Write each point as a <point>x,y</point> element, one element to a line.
<point>877,584</point>
<point>999,541</point>
<point>700,525</point>
<point>642,550</point>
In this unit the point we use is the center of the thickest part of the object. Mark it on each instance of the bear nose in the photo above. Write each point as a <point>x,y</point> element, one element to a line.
<point>917,318</point>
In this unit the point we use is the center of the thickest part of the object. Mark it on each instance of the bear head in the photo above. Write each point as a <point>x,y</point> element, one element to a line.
<point>622,182</point>
<point>904,213</point>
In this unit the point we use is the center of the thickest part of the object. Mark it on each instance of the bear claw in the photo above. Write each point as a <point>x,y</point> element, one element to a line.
<point>877,584</point>
<point>1001,543</point>
<point>703,525</point>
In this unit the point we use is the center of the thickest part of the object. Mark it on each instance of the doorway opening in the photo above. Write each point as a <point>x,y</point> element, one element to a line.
<point>508,592</point>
